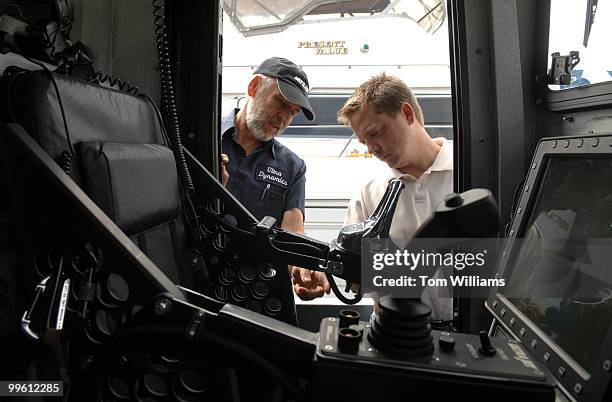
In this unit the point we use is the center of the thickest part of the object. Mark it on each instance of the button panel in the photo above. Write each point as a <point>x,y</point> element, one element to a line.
<point>258,286</point>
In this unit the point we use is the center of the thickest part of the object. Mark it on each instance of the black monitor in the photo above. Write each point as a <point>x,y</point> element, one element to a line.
<point>557,265</point>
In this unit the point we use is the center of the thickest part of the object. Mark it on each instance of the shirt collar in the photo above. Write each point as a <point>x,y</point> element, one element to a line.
<point>228,123</point>
<point>443,161</point>
<point>228,127</point>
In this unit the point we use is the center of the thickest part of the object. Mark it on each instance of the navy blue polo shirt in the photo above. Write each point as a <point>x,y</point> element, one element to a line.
<point>269,181</point>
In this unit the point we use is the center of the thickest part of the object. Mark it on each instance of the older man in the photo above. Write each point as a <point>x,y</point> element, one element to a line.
<point>265,176</point>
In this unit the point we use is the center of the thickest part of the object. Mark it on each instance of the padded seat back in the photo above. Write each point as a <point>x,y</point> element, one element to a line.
<point>113,146</point>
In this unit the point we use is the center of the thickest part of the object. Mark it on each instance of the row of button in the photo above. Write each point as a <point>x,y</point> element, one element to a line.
<point>246,274</point>
<point>579,142</point>
<point>239,293</point>
<point>607,364</point>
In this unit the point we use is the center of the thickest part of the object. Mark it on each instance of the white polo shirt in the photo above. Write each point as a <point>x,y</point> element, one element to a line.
<point>417,202</point>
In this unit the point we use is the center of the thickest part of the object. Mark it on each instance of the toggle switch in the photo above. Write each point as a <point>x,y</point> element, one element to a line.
<point>485,344</point>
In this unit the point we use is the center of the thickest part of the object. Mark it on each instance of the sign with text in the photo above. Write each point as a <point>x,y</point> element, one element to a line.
<point>324,47</point>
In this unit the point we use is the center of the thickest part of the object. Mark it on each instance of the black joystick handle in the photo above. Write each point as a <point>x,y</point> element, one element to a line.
<point>401,326</point>
<point>380,221</point>
<point>472,213</point>
<point>377,226</point>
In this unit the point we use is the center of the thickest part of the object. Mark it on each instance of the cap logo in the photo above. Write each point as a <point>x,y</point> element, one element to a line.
<point>302,83</point>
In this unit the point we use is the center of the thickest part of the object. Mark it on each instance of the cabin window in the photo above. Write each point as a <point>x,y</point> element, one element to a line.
<point>582,26</point>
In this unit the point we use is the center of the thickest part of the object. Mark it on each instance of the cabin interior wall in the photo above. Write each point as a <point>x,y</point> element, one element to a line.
<point>195,36</point>
<point>574,122</point>
<point>497,60</point>
<point>513,37</point>
<point>121,35</point>
<point>494,53</point>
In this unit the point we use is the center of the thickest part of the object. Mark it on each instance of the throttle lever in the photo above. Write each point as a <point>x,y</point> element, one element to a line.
<point>377,226</point>
<point>384,217</point>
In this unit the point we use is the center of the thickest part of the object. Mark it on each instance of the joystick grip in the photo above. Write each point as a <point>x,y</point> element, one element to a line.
<point>377,225</point>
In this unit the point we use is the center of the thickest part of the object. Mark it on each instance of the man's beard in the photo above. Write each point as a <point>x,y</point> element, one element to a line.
<point>256,119</point>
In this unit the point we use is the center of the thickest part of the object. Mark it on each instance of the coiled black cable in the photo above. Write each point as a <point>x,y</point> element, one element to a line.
<point>100,78</point>
<point>70,56</point>
<point>167,94</point>
<point>65,162</point>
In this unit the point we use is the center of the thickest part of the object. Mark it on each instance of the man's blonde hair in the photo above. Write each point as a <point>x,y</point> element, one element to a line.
<point>385,93</point>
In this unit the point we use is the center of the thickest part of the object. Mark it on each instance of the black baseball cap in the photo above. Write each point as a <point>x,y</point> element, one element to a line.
<point>292,82</point>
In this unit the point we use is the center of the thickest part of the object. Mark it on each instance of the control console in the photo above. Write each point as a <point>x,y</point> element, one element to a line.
<point>481,366</point>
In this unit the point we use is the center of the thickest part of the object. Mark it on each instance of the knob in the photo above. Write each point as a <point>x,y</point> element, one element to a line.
<point>453,200</point>
<point>272,306</point>
<point>267,271</point>
<point>221,293</point>
<point>446,343</point>
<point>348,317</point>
<point>260,290</point>
<point>348,340</point>
<point>240,292</point>
<point>247,274</point>
<point>227,276</point>
<point>485,344</point>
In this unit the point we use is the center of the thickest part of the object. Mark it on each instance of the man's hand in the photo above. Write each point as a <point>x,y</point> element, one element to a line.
<point>224,174</point>
<point>308,284</point>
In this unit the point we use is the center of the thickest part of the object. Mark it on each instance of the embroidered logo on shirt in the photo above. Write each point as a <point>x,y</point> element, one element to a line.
<point>272,175</point>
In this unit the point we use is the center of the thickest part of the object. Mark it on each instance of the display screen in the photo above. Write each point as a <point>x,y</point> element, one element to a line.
<point>560,267</point>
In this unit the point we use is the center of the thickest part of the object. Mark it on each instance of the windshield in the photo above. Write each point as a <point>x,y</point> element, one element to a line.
<point>257,17</point>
